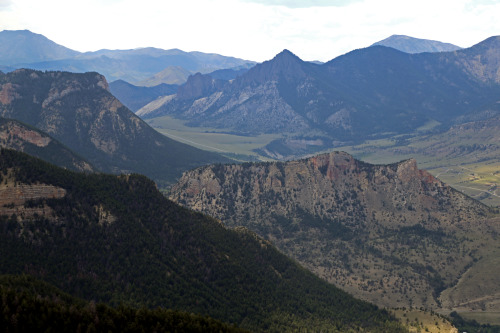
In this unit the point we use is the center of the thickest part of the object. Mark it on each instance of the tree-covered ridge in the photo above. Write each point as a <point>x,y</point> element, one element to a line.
<point>30,305</point>
<point>118,240</point>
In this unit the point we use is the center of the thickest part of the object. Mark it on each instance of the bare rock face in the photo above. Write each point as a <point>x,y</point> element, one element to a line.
<point>15,131</point>
<point>198,85</point>
<point>391,234</point>
<point>14,196</point>
<point>7,93</point>
<point>20,137</point>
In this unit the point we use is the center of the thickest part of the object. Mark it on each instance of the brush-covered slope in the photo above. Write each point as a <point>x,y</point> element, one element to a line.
<point>392,234</point>
<point>24,138</point>
<point>119,240</point>
<point>31,305</point>
<point>365,94</point>
<point>80,112</point>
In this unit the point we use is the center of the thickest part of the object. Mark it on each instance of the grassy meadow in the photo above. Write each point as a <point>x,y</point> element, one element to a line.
<point>217,140</point>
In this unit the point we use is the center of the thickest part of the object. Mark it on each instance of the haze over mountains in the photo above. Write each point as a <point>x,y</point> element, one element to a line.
<point>24,49</point>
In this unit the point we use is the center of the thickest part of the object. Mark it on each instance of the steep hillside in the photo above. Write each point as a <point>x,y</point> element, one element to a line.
<point>370,93</point>
<point>119,240</point>
<point>416,45</point>
<point>24,138</point>
<point>80,112</point>
<point>392,234</point>
<point>30,305</point>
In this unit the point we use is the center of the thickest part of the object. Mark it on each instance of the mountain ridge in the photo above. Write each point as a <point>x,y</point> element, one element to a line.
<point>356,224</point>
<point>30,47</point>
<point>369,93</point>
<point>132,65</point>
<point>79,111</point>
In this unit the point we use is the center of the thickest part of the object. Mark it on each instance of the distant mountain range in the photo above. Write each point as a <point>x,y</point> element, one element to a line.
<point>369,93</point>
<point>416,45</point>
<point>135,97</point>
<point>390,234</point>
<point>79,111</point>
<point>170,75</point>
<point>23,46</point>
<point>24,49</point>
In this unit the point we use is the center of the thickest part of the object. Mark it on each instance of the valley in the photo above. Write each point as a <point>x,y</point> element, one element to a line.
<point>475,172</point>
<point>359,194</point>
<point>213,139</point>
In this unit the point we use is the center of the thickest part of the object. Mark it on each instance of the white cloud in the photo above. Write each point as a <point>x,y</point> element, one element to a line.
<point>304,3</point>
<point>5,4</point>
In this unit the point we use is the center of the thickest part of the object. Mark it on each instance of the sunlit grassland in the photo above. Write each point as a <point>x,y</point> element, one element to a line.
<point>423,321</point>
<point>212,139</point>
<point>478,180</point>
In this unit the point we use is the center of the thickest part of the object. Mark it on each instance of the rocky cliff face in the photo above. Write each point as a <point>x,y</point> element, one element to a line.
<point>392,234</point>
<point>20,137</point>
<point>15,198</point>
<point>199,85</point>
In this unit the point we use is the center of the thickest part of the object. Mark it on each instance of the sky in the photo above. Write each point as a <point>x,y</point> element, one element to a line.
<point>251,29</point>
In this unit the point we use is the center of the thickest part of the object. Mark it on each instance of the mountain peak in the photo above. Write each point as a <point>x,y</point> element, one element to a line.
<point>482,60</point>
<point>489,43</point>
<point>285,53</point>
<point>24,46</point>
<point>284,64</point>
<point>415,45</point>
